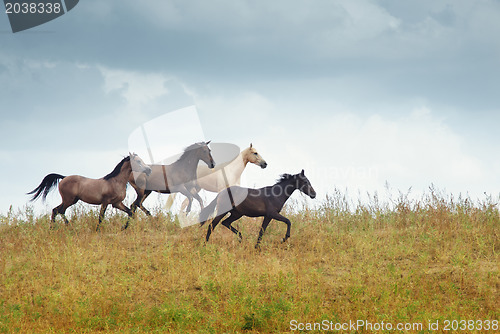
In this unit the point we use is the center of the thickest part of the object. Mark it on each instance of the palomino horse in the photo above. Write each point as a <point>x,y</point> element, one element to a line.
<point>226,174</point>
<point>179,176</point>
<point>264,202</point>
<point>111,189</point>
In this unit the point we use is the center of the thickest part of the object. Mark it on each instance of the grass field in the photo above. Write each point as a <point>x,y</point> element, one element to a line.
<point>433,261</point>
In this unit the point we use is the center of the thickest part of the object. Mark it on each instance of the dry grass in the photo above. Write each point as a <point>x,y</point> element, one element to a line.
<point>406,261</point>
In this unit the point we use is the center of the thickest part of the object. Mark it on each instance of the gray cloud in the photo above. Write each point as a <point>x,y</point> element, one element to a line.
<point>231,39</point>
<point>302,58</point>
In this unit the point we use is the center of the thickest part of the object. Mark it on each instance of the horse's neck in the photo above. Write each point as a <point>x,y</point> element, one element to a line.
<point>188,163</point>
<point>235,168</point>
<point>243,157</point>
<point>243,161</point>
<point>124,175</point>
<point>286,190</point>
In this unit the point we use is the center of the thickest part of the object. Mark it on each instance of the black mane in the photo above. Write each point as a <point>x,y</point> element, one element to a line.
<point>284,177</point>
<point>117,169</point>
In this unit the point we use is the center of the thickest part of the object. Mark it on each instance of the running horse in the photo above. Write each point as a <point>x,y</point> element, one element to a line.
<point>111,189</point>
<point>264,202</point>
<point>226,174</point>
<point>179,176</point>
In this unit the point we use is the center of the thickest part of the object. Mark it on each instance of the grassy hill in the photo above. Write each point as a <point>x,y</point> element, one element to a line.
<point>431,261</point>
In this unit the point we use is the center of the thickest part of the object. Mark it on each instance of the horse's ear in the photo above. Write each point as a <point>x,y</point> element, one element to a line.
<point>302,173</point>
<point>208,142</point>
<point>250,145</point>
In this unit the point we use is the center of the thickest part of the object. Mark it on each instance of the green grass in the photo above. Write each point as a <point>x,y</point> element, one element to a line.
<point>406,261</point>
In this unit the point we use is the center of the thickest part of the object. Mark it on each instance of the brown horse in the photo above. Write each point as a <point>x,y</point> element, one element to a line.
<point>111,189</point>
<point>179,176</point>
<point>265,202</point>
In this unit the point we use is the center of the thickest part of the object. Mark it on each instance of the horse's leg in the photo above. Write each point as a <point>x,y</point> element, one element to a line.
<point>229,220</point>
<point>184,204</point>
<point>144,196</point>
<point>188,209</point>
<point>212,225</point>
<point>138,199</point>
<point>170,202</point>
<point>263,228</point>
<point>122,207</point>
<point>55,212</point>
<point>198,198</point>
<point>194,193</point>
<point>101,215</point>
<point>285,220</point>
<point>66,221</point>
<point>61,209</point>
<point>189,196</point>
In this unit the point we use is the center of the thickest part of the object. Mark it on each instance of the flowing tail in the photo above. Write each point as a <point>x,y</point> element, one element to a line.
<point>44,188</point>
<point>208,211</point>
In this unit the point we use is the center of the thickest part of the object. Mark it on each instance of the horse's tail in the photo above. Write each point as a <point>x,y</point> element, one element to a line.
<point>45,186</point>
<point>207,211</point>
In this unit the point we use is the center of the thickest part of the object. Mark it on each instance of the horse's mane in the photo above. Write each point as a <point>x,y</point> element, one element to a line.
<point>284,177</point>
<point>190,148</point>
<point>117,169</point>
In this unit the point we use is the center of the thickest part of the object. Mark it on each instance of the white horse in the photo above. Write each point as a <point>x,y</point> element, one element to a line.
<point>223,175</point>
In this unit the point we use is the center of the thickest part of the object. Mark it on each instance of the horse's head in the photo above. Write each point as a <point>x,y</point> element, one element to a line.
<point>138,165</point>
<point>251,155</point>
<point>205,154</point>
<point>304,185</point>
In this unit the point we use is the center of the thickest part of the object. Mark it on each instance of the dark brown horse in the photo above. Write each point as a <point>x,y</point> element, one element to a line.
<point>265,202</point>
<point>226,174</point>
<point>179,176</point>
<point>111,189</point>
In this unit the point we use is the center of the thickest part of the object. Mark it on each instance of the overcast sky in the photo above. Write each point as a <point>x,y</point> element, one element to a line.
<point>359,93</point>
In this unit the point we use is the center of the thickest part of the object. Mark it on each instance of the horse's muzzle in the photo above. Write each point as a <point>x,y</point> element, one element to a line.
<point>263,164</point>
